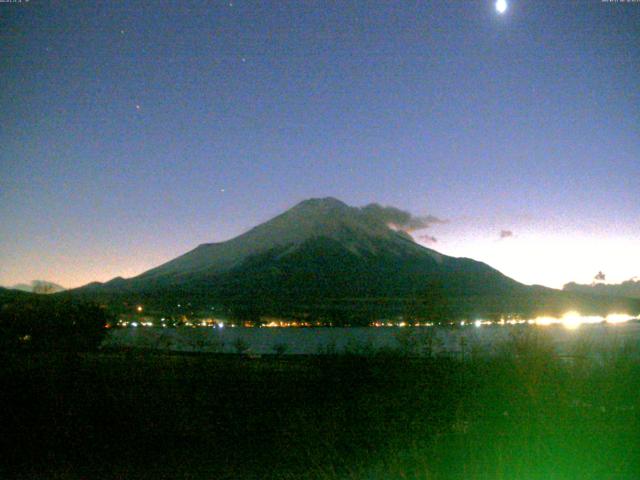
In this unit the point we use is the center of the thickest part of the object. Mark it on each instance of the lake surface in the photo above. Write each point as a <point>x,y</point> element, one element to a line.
<point>441,340</point>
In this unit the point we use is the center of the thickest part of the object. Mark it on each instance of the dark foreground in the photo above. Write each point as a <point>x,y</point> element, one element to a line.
<point>138,415</point>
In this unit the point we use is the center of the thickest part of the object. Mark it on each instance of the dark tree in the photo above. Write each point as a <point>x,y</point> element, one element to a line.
<point>46,323</point>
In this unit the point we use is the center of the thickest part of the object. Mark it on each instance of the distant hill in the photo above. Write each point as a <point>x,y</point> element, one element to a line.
<point>629,288</point>
<point>325,259</point>
<point>39,286</point>
<point>9,295</point>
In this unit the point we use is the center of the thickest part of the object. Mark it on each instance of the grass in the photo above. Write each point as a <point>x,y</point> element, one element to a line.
<point>523,414</point>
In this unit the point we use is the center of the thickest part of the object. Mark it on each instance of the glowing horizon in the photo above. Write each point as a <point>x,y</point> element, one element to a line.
<point>156,133</point>
<point>529,258</point>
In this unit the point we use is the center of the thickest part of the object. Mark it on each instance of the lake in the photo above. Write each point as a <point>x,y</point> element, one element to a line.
<point>442,340</point>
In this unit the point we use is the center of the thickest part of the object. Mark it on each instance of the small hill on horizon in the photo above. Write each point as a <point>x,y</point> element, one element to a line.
<point>629,288</point>
<point>38,286</point>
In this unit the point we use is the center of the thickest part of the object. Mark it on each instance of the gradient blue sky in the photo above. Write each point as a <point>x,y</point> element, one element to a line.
<point>130,132</point>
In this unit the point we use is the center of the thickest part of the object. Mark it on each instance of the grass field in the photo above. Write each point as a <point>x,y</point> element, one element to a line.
<point>525,414</point>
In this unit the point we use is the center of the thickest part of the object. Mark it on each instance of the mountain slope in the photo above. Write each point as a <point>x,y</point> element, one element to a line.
<point>310,219</point>
<point>326,259</point>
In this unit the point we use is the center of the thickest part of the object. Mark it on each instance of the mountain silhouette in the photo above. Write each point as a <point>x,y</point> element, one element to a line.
<point>325,260</point>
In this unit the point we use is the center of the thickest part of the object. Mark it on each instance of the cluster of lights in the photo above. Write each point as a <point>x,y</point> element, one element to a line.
<point>286,324</point>
<point>163,324</point>
<point>615,318</point>
<point>570,320</point>
<point>480,323</point>
<point>137,324</point>
<point>400,324</point>
<point>210,323</point>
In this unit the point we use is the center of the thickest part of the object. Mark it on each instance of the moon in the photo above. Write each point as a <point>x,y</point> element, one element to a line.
<point>501,6</point>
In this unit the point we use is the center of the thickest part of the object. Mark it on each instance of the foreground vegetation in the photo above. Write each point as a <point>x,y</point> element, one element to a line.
<point>524,414</point>
<point>31,321</point>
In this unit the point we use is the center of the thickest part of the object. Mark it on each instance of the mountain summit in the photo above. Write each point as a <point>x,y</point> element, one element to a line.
<point>323,258</point>
<point>355,229</point>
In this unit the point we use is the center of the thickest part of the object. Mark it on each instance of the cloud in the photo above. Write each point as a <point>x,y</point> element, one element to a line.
<point>505,234</point>
<point>428,239</point>
<point>399,219</point>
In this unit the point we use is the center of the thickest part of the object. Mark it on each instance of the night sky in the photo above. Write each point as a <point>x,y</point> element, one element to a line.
<point>130,132</point>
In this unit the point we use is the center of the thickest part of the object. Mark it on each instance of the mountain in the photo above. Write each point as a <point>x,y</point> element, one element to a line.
<point>629,288</point>
<point>8,295</point>
<point>39,286</point>
<point>324,259</point>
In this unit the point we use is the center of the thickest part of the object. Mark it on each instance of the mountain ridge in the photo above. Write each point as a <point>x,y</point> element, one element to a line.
<point>310,218</point>
<point>326,259</point>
